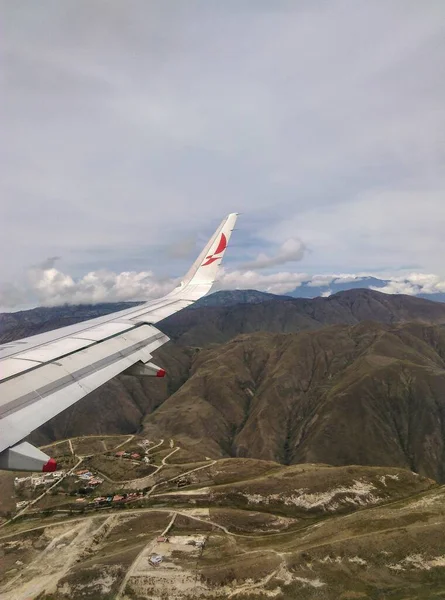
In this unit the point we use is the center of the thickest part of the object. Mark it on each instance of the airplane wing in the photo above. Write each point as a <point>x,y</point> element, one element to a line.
<point>42,375</point>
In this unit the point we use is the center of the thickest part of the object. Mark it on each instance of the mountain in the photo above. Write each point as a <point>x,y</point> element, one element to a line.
<point>369,394</point>
<point>285,315</point>
<point>16,325</point>
<point>232,297</point>
<point>309,290</point>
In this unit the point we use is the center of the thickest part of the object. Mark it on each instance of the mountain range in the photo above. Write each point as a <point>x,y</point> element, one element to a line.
<point>309,289</point>
<point>354,378</point>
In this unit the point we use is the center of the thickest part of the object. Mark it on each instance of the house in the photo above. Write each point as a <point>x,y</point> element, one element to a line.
<point>156,559</point>
<point>120,454</point>
<point>82,472</point>
<point>95,481</point>
<point>135,455</point>
<point>118,498</point>
<point>162,539</point>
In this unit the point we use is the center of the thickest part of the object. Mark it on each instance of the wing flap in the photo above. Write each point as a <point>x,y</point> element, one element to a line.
<point>54,350</point>
<point>103,331</point>
<point>13,366</point>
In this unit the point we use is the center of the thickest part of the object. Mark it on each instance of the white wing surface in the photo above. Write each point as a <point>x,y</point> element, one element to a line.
<point>42,375</point>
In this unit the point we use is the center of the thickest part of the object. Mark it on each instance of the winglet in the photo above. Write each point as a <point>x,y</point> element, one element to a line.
<point>205,267</point>
<point>196,283</point>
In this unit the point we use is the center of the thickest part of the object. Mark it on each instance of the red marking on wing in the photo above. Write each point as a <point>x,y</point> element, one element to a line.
<point>50,466</point>
<point>222,244</point>
<point>210,260</point>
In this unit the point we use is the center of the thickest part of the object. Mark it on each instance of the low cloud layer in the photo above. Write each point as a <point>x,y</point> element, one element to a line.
<point>414,284</point>
<point>46,285</point>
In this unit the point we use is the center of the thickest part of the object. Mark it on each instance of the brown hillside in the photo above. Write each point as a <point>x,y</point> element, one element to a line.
<point>368,394</point>
<point>202,326</point>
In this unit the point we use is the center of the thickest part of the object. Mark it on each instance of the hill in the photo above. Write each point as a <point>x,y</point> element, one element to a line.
<point>367,394</point>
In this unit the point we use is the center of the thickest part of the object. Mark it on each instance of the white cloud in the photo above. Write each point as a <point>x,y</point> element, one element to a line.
<point>51,287</point>
<point>291,250</point>
<point>325,280</point>
<point>414,284</point>
<point>275,283</point>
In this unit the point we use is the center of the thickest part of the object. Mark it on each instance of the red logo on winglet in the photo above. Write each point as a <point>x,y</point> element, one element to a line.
<point>222,245</point>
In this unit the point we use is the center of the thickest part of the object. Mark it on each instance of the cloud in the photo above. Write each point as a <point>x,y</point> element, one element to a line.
<point>291,250</point>
<point>319,121</point>
<point>51,287</point>
<point>275,283</point>
<point>325,280</point>
<point>414,284</point>
<point>48,286</point>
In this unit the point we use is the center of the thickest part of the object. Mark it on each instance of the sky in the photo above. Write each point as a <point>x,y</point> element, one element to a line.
<point>130,129</point>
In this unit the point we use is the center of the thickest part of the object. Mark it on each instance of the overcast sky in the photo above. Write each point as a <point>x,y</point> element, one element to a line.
<point>129,129</point>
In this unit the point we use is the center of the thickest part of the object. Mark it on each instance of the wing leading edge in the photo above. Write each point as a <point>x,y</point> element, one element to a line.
<point>43,375</point>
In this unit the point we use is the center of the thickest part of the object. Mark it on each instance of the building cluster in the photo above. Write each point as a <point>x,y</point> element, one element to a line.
<point>91,481</point>
<point>116,498</point>
<point>132,455</point>
<point>141,456</point>
<point>33,481</point>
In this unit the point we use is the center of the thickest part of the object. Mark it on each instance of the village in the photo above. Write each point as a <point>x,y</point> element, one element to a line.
<point>82,482</point>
